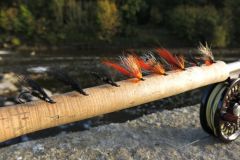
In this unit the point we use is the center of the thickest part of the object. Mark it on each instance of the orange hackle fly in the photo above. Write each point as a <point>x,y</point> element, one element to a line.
<point>151,64</point>
<point>177,62</point>
<point>180,61</point>
<point>130,66</point>
<point>206,53</point>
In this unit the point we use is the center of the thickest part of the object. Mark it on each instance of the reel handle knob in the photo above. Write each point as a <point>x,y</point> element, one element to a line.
<point>236,109</point>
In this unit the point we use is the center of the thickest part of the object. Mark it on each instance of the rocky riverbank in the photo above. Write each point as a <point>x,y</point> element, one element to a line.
<point>172,134</point>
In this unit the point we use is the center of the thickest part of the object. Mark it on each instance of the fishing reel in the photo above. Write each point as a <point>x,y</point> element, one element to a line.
<point>220,110</point>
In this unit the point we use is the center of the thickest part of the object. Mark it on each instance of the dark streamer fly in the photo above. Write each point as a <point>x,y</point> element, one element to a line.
<point>34,89</point>
<point>104,78</point>
<point>67,80</point>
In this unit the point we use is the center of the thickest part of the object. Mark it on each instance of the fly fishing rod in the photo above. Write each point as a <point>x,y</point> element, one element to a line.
<point>219,112</point>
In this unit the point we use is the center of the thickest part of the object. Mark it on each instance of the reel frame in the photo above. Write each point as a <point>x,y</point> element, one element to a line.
<point>219,105</point>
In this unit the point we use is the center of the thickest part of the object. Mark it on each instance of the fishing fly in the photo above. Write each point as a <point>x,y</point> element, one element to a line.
<point>192,61</point>
<point>33,88</point>
<point>176,62</point>
<point>67,80</point>
<point>104,78</point>
<point>149,63</point>
<point>206,53</point>
<point>129,66</point>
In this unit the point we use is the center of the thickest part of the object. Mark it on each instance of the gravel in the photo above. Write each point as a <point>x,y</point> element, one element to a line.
<point>175,134</point>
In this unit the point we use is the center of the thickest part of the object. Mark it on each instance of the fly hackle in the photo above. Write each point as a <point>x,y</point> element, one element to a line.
<point>151,64</point>
<point>176,61</point>
<point>128,66</point>
<point>206,54</point>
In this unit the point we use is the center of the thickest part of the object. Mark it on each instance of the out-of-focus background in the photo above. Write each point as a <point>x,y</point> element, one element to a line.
<point>76,35</point>
<point>94,24</point>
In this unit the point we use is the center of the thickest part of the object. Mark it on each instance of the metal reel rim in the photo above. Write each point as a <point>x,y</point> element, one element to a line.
<point>217,118</point>
<point>203,120</point>
<point>218,127</point>
<point>215,105</point>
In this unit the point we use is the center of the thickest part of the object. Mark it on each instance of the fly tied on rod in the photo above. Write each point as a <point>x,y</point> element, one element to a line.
<point>65,78</point>
<point>33,88</point>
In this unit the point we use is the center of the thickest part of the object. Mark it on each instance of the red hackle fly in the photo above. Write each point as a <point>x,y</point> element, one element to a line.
<point>177,62</point>
<point>129,66</point>
<point>206,53</point>
<point>150,63</point>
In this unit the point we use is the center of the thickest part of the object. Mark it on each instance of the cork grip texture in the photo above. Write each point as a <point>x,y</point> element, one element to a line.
<point>70,107</point>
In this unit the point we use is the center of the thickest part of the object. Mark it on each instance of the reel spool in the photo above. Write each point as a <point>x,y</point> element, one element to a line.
<point>220,110</point>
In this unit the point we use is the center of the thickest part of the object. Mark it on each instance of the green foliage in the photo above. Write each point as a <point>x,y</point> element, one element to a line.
<point>107,19</point>
<point>182,21</point>
<point>17,20</point>
<point>198,24</point>
<point>4,20</point>
<point>232,20</point>
<point>25,21</point>
<point>73,14</point>
<point>8,16</point>
<point>71,19</point>
<point>58,21</point>
<point>57,7</point>
<point>156,15</point>
<point>221,37</point>
<point>15,41</point>
<point>130,8</point>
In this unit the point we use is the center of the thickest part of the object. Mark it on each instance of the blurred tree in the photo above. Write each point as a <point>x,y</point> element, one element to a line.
<point>130,9</point>
<point>4,20</point>
<point>156,15</point>
<point>221,36</point>
<point>25,22</point>
<point>57,6</point>
<point>57,21</point>
<point>231,16</point>
<point>17,19</point>
<point>39,8</point>
<point>108,19</point>
<point>198,24</point>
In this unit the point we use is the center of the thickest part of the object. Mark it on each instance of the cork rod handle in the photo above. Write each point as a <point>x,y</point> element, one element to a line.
<point>70,107</point>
